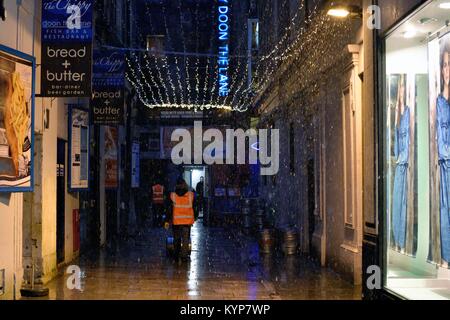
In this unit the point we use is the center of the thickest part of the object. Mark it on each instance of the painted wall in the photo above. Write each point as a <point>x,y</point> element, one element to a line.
<point>301,101</point>
<point>72,199</point>
<point>16,32</point>
<point>28,221</point>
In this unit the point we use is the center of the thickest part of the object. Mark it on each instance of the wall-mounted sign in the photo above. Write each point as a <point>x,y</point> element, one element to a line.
<point>111,158</point>
<point>183,114</point>
<point>78,148</point>
<point>17,79</point>
<point>108,83</point>
<point>224,52</point>
<point>66,48</point>
<point>135,165</point>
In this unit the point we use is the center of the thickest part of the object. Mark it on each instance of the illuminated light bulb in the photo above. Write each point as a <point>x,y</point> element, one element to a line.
<point>409,34</point>
<point>444,5</point>
<point>338,12</point>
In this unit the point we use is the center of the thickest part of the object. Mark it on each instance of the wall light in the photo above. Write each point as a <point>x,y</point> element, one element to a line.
<point>444,5</point>
<point>343,10</point>
<point>340,13</point>
<point>409,34</point>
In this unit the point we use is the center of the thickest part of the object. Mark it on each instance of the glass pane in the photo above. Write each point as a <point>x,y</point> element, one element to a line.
<point>417,137</point>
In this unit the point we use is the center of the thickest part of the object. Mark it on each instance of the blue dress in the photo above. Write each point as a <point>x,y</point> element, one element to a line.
<point>443,143</point>
<point>400,195</point>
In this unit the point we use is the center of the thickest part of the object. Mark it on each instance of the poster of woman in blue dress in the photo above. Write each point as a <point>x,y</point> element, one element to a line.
<point>401,154</point>
<point>443,149</point>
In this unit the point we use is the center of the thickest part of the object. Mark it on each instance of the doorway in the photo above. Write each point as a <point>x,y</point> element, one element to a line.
<point>311,205</point>
<point>60,200</point>
<point>193,176</point>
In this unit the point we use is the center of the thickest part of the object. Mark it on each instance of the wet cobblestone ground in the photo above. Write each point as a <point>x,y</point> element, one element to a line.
<point>223,266</point>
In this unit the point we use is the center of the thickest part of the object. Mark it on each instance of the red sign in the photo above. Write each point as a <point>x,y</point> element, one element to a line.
<point>76,230</point>
<point>111,158</point>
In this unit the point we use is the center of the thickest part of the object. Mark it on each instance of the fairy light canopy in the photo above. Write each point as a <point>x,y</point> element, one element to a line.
<point>178,64</point>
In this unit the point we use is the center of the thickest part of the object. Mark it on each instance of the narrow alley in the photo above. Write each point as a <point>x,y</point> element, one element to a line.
<point>224,265</point>
<point>246,150</point>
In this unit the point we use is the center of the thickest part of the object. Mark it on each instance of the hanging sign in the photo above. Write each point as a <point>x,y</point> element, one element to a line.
<point>66,48</point>
<point>108,87</point>
<point>78,148</point>
<point>224,53</point>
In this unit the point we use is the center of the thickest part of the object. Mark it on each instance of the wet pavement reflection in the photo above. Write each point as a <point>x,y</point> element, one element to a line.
<point>225,264</point>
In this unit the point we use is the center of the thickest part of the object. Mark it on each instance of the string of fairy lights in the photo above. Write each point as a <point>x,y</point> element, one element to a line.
<point>189,80</point>
<point>144,85</point>
<point>140,83</point>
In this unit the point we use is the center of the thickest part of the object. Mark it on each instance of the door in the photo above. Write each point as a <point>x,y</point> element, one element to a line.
<point>60,200</point>
<point>311,204</point>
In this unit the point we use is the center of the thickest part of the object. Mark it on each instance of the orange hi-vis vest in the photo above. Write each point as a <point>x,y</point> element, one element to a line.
<point>158,194</point>
<point>183,210</point>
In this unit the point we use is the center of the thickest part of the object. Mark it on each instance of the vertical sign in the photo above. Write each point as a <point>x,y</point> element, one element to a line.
<point>66,48</point>
<point>108,85</point>
<point>76,229</point>
<point>78,148</point>
<point>111,158</point>
<point>135,165</point>
<point>224,52</point>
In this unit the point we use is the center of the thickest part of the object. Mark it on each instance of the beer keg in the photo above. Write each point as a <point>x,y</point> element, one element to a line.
<point>290,242</point>
<point>266,241</point>
<point>259,219</point>
<point>245,212</point>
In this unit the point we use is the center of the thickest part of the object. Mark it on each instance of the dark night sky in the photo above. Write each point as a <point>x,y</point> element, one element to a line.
<point>187,24</point>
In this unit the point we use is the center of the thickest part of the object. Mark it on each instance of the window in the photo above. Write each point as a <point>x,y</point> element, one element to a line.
<point>348,116</point>
<point>416,139</point>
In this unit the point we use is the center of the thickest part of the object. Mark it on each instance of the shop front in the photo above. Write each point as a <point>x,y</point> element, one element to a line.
<point>414,153</point>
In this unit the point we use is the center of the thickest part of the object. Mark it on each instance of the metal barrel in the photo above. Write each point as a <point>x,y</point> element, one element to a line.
<point>245,212</point>
<point>269,216</point>
<point>290,242</point>
<point>259,219</point>
<point>266,241</point>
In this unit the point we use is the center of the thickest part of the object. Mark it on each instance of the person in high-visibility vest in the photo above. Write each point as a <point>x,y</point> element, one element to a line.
<point>184,214</point>
<point>158,204</point>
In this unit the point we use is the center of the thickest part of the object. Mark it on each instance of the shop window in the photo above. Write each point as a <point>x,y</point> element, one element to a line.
<point>417,156</point>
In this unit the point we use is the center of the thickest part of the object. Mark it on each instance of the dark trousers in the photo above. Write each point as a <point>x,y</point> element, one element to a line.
<point>158,212</point>
<point>200,204</point>
<point>181,239</point>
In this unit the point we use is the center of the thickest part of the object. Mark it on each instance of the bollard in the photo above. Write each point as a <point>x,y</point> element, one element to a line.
<point>290,242</point>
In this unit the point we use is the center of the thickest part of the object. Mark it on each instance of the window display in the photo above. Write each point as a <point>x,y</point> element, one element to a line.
<point>417,155</point>
<point>16,121</point>
<point>439,100</point>
<point>402,164</point>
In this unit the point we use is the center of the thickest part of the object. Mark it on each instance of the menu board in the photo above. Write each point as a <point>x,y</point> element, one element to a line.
<point>78,148</point>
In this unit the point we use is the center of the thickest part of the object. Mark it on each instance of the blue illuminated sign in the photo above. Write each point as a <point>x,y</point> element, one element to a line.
<point>224,52</point>
<point>67,21</point>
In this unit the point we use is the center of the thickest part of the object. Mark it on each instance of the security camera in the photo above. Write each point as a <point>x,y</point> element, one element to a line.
<point>2,10</point>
